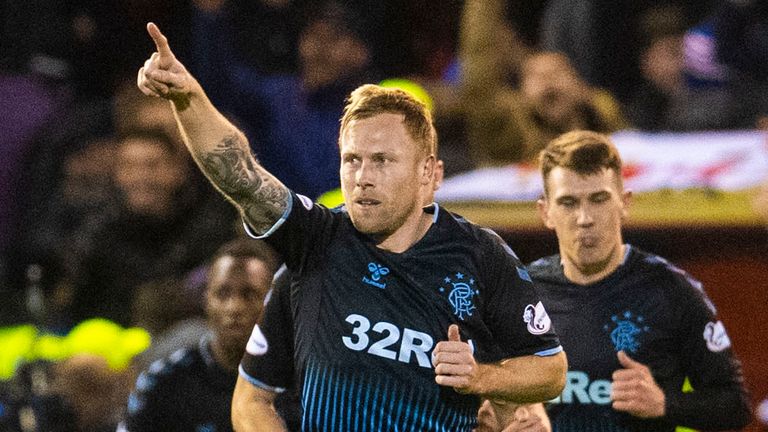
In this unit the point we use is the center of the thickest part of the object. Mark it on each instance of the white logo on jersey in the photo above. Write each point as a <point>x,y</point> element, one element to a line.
<point>716,337</point>
<point>305,201</point>
<point>537,319</point>
<point>580,389</point>
<point>413,343</point>
<point>257,343</point>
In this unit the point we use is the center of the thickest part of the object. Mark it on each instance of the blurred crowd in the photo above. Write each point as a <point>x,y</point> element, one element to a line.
<point>102,213</point>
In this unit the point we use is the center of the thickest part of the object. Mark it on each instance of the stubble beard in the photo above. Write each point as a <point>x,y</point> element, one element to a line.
<point>381,224</point>
<point>595,266</point>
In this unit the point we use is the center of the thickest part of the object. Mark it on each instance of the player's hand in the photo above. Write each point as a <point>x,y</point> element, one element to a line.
<point>528,423</point>
<point>634,390</point>
<point>523,418</point>
<point>162,74</point>
<point>454,362</point>
<point>487,420</point>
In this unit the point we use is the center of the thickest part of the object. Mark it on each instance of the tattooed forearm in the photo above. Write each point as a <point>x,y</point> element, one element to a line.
<point>233,170</point>
<point>266,205</point>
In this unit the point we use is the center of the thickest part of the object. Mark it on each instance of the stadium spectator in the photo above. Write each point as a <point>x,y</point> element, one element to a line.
<point>67,186</point>
<point>686,86</point>
<point>506,123</point>
<point>86,44</point>
<point>603,39</point>
<point>662,66</point>
<point>742,44</point>
<point>333,59</point>
<point>64,233</point>
<point>83,202</point>
<point>165,228</point>
<point>27,102</point>
<point>76,382</point>
<point>93,392</point>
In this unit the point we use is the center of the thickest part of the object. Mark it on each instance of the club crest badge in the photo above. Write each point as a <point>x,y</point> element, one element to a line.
<point>460,290</point>
<point>537,319</point>
<point>625,331</point>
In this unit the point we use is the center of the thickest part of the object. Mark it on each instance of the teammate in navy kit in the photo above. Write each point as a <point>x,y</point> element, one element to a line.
<point>404,316</point>
<point>192,389</point>
<point>634,325</point>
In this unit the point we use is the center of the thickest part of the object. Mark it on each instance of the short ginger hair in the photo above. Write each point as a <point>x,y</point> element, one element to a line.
<point>370,100</point>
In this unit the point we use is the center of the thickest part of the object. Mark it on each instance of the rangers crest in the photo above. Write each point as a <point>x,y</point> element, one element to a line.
<point>461,291</point>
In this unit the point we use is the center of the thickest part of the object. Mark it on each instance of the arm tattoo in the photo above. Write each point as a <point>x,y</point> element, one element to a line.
<point>235,172</point>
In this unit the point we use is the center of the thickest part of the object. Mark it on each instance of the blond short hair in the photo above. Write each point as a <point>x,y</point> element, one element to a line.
<point>370,100</point>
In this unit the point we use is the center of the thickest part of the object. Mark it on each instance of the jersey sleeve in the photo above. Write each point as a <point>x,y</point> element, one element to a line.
<point>719,400</point>
<point>303,231</point>
<point>148,407</point>
<point>513,310</point>
<point>268,359</point>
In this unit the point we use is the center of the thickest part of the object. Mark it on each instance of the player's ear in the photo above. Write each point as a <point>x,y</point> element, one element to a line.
<point>626,201</point>
<point>439,174</point>
<point>542,206</point>
<point>428,171</point>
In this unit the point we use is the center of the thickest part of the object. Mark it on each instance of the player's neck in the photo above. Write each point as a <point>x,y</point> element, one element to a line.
<point>225,356</point>
<point>586,275</point>
<point>413,230</point>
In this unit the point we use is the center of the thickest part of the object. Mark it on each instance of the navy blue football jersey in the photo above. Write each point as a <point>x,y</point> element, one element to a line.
<point>658,315</point>
<point>188,391</point>
<point>365,320</point>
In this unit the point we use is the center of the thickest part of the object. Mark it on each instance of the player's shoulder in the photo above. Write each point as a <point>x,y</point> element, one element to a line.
<point>546,268</point>
<point>657,265</point>
<point>158,387</point>
<point>666,273</point>
<point>175,366</point>
<point>485,239</point>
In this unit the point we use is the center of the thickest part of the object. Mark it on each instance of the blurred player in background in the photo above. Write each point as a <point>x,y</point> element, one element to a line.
<point>634,325</point>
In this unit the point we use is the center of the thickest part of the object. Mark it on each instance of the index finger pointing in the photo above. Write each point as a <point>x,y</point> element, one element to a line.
<point>161,42</point>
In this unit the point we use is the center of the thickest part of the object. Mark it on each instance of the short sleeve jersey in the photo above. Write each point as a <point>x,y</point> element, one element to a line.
<point>365,320</point>
<point>659,316</point>
<point>188,391</point>
<point>269,352</point>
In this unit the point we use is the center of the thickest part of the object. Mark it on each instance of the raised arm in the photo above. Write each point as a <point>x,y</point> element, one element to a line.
<point>219,148</point>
